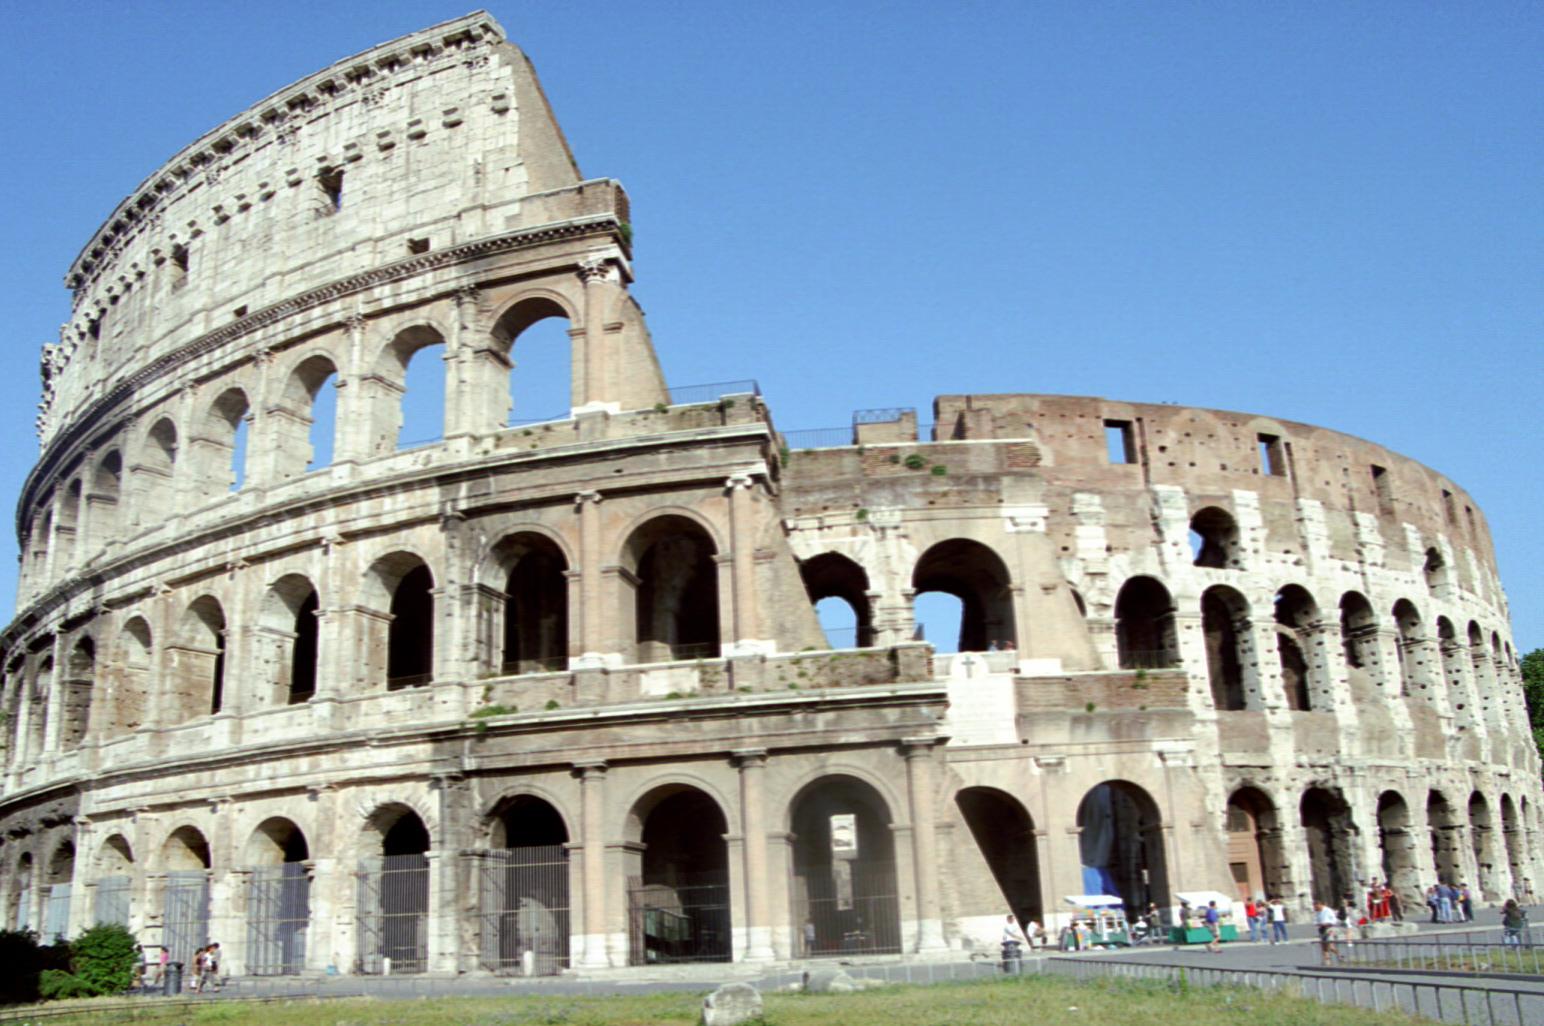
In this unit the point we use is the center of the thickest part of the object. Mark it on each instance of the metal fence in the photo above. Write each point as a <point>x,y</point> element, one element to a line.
<point>393,914</point>
<point>819,438</point>
<point>682,395</point>
<point>1438,1000</point>
<point>112,900</point>
<point>1487,952</point>
<point>683,922</point>
<point>56,914</point>
<point>278,918</point>
<point>522,896</point>
<point>858,915</point>
<point>185,927</point>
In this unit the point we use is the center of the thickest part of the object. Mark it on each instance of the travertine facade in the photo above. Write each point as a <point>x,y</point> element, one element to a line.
<point>556,693</point>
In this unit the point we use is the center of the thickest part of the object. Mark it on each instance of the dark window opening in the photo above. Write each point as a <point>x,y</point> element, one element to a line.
<point>838,588</point>
<point>977,576</point>
<point>1295,613</point>
<point>1447,506</point>
<point>1120,441</point>
<point>678,900</point>
<point>179,266</point>
<point>303,657</point>
<point>1144,626</point>
<point>845,896</point>
<point>1120,846</point>
<point>410,645</point>
<point>535,608</point>
<point>331,184</point>
<point>1385,489</point>
<point>1224,621</point>
<point>416,246</point>
<point>676,603</point>
<point>1005,835</point>
<point>1474,530</point>
<point>1214,539</point>
<point>1327,824</point>
<point>1272,460</point>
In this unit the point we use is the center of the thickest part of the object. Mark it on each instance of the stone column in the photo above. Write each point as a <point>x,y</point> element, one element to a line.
<point>351,435</point>
<point>592,801</point>
<point>753,768</point>
<point>742,540</point>
<point>598,274</point>
<point>53,725</point>
<point>591,614</point>
<point>919,789</point>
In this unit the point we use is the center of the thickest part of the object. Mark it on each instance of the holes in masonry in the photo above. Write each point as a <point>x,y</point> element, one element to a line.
<point>418,246</point>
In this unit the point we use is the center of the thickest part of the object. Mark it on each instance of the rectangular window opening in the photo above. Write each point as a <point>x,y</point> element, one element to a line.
<point>1447,507</point>
<point>418,245</point>
<point>241,312</point>
<point>1380,481</point>
<point>1272,460</point>
<point>331,183</point>
<point>1120,441</point>
<point>1474,530</point>
<point>178,266</point>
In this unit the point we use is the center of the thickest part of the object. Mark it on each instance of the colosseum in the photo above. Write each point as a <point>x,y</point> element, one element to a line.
<point>549,696</point>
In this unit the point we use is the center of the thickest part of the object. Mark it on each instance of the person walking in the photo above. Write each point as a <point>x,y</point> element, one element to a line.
<point>1252,913</point>
<point>1325,920</point>
<point>1514,920</point>
<point>1278,913</point>
<point>1444,904</point>
<point>1213,927</point>
<point>1466,902</point>
<point>1014,943</point>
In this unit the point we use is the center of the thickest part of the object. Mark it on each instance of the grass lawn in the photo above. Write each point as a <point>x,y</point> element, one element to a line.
<point>1030,1001</point>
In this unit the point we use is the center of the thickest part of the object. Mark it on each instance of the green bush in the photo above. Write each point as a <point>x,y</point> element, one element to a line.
<point>56,985</point>
<point>103,959</point>
<point>23,961</point>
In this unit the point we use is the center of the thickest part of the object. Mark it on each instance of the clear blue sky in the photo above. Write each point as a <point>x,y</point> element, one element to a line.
<point>1325,212</point>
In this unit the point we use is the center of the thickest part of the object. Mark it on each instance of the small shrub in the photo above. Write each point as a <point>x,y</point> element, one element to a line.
<point>1088,707</point>
<point>895,457</point>
<point>103,959</point>
<point>661,407</point>
<point>939,470</point>
<point>914,462</point>
<point>672,696</point>
<point>57,985</point>
<point>785,453</point>
<point>861,515</point>
<point>493,710</point>
<point>625,229</point>
<point>552,703</point>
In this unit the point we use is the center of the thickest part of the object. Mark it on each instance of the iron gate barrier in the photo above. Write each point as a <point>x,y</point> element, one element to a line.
<point>844,912</point>
<point>278,916</point>
<point>522,901</point>
<point>185,927</point>
<point>686,922</point>
<point>112,900</point>
<point>393,914</point>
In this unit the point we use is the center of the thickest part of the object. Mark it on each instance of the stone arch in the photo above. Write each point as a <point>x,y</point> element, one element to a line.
<point>520,315</point>
<point>835,579</point>
<point>1445,828</point>
<point>1214,539</point>
<point>1396,845</point>
<point>102,502</point>
<point>1412,650</point>
<point>1483,842</point>
<point>1451,651</point>
<point>154,473</point>
<point>131,670</point>
<point>535,607</point>
<point>1358,633</point>
<point>977,576</point>
<point>401,585</point>
<point>1121,845</point>
<point>219,445</point>
<point>274,842</point>
<point>1328,828</point>
<point>1225,625</point>
<point>1435,569</point>
<point>1485,683</point>
<point>38,703</point>
<point>1004,833</point>
<point>1514,838</point>
<point>1304,676</point>
<point>278,899</point>
<point>115,855</point>
<point>196,661</point>
<point>67,521</point>
<point>19,894</point>
<point>678,881</point>
<point>522,882</point>
<point>1145,637</point>
<point>1255,857</point>
<point>79,690</point>
<point>58,885</point>
<point>845,887</point>
<point>393,914</point>
<point>303,424</point>
<point>289,639</point>
<point>185,849</point>
<point>388,386</point>
<point>673,560</point>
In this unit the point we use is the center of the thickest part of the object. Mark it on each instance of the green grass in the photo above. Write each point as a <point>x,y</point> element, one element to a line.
<point>1032,1000</point>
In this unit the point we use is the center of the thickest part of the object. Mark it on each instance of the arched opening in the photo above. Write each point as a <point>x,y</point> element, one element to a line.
<point>115,877</point>
<point>410,638</point>
<point>78,687</point>
<point>1225,624</point>
<point>1411,649</point>
<point>845,898</point>
<point>59,882</point>
<point>393,909</point>
<point>102,502</point>
<point>1214,539</point>
<point>535,604</point>
<point>154,495</point>
<point>1358,631</point>
<point>278,898</point>
<point>678,885</point>
<point>676,597</point>
<point>1005,836</point>
<point>838,588</point>
<point>197,662</point>
<point>19,915</point>
<point>1302,671</point>
<point>303,423</point>
<point>222,444</point>
<point>39,542</point>
<point>67,535</point>
<point>289,632</point>
<point>1144,625</point>
<point>185,906</point>
<point>1443,822</point>
<point>37,711</point>
<point>1436,571</point>
<point>1482,840</point>
<point>1254,844</point>
<point>423,398</point>
<point>976,576</point>
<point>1484,677</point>
<point>1327,827</point>
<point>1452,652</point>
<point>522,887</point>
<point>1397,846</point>
<point>534,334</point>
<point>1120,846</point>
<point>130,688</point>
<point>1513,834</point>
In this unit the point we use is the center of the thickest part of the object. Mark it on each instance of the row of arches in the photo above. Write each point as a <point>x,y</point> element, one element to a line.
<point>1312,650</point>
<point>1258,862</point>
<point>272,424</point>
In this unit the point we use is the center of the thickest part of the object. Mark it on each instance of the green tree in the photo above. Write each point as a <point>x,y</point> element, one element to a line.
<point>1533,694</point>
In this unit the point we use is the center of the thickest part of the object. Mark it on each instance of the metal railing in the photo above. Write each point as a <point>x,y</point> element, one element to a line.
<point>1490,952</point>
<point>1439,1000</point>
<point>882,416</point>
<point>683,395</point>
<point>819,438</point>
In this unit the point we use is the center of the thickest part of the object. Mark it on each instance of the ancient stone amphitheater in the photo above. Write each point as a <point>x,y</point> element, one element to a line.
<point>556,694</point>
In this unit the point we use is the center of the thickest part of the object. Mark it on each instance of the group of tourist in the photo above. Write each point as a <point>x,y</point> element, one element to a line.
<point>206,969</point>
<point>1383,903</point>
<point>1267,918</point>
<point>1450,904</point>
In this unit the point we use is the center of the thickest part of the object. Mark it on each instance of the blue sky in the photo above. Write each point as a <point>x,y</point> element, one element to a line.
<point>1324,212</point>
